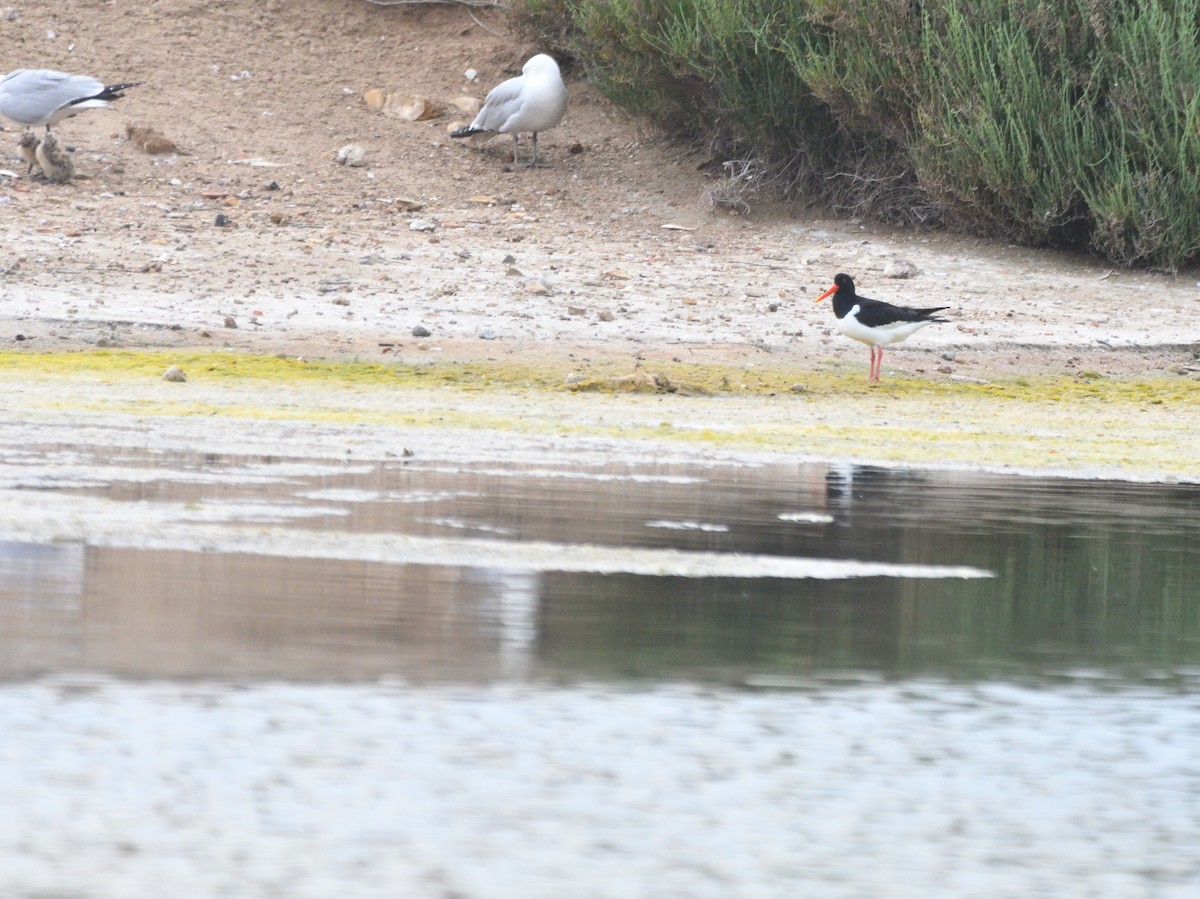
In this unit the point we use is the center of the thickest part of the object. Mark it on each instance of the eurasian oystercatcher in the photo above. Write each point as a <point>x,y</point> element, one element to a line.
<point>875,323</point>
<point>534,101</point>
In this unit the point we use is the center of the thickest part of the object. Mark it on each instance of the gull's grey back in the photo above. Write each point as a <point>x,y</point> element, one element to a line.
<point>34,96</point>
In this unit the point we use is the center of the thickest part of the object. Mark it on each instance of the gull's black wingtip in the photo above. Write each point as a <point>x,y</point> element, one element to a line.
<point>113,91</point>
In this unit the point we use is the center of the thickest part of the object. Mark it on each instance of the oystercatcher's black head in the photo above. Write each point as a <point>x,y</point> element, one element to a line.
<point>842,283</point>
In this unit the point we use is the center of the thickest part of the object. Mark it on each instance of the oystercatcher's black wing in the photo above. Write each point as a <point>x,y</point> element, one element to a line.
<point>878,314</point>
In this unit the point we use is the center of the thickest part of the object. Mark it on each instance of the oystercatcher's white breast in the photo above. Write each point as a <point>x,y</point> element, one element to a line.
<point>880,335</point>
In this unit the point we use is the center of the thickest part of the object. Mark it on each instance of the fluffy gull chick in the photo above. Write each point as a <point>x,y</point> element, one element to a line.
<point>55,161</point>
<point>533,102</point>
<point>27,147</point>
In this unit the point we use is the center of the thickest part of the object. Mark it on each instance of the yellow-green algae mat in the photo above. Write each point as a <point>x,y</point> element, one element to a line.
<point>1076,424</point>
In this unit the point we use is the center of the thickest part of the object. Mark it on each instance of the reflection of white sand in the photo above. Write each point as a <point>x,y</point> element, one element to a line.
<point>45,575</point>
<point>172,526</point>
<point>116,789</point>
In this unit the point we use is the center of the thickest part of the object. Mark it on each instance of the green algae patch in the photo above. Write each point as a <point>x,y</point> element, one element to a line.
<point>1059,423</point>
<point>124,364</point>
<point>615,376</point>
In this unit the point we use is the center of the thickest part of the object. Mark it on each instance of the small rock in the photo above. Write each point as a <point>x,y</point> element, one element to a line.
<point>411,108</point>
<point>230,321</point>
<point>174,373</point>
<point>374,98</point>
<point>406,204</point>
<point>471,75</point>
<point>157,145</point>
<point>466,105</point>
<point>149,139</point>
<point>949,357</point>
<point>222,220</point>
<point>538,288</point>
<point>573,377</point>
<point>421,225</point>
<point>576,310</point>
<point>798,388</point>
<point>420,331</point>
<point>487,335</point>
<point>900,268</point>
<point>605,315</point>
<point>352,155</point>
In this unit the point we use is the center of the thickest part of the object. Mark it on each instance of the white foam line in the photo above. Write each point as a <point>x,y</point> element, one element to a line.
<point>554,473</point>
<point>63,475</point>
<point>806,517</point>
<point>669,525</point>
<point>357,495</point>
<point>164,526</point>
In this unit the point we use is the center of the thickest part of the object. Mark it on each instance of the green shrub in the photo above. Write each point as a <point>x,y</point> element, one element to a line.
<point>1003,103</point>
<point>1143,192</point>
<point>1074,123</point>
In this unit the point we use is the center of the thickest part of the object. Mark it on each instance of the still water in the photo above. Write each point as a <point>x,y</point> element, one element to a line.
<point>261,676</point>
<point>270,567</point>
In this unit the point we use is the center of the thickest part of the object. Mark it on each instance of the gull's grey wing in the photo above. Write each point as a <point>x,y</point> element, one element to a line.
<point>32,96</point>
<point>502,102</point>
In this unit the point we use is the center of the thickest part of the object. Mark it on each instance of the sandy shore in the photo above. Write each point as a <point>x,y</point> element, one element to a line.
<point>600,296</point>
<point>383,790</point>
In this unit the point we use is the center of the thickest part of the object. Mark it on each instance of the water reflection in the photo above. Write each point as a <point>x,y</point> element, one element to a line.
<point>1092,578</point>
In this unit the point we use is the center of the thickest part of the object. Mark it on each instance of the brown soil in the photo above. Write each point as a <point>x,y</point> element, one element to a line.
<point>328,263</point>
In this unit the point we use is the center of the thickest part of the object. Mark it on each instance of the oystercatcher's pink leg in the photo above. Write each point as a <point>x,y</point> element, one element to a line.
<point>876,355</point>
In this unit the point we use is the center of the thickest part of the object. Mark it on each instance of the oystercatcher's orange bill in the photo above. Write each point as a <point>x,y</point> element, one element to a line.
<point>826,293</point>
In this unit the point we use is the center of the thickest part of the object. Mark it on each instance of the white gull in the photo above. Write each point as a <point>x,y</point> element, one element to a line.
<point>533,102</point>
<point>34,97</point>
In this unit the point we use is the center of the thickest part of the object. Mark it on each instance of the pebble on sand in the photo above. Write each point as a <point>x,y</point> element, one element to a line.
<point>352,155</point>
